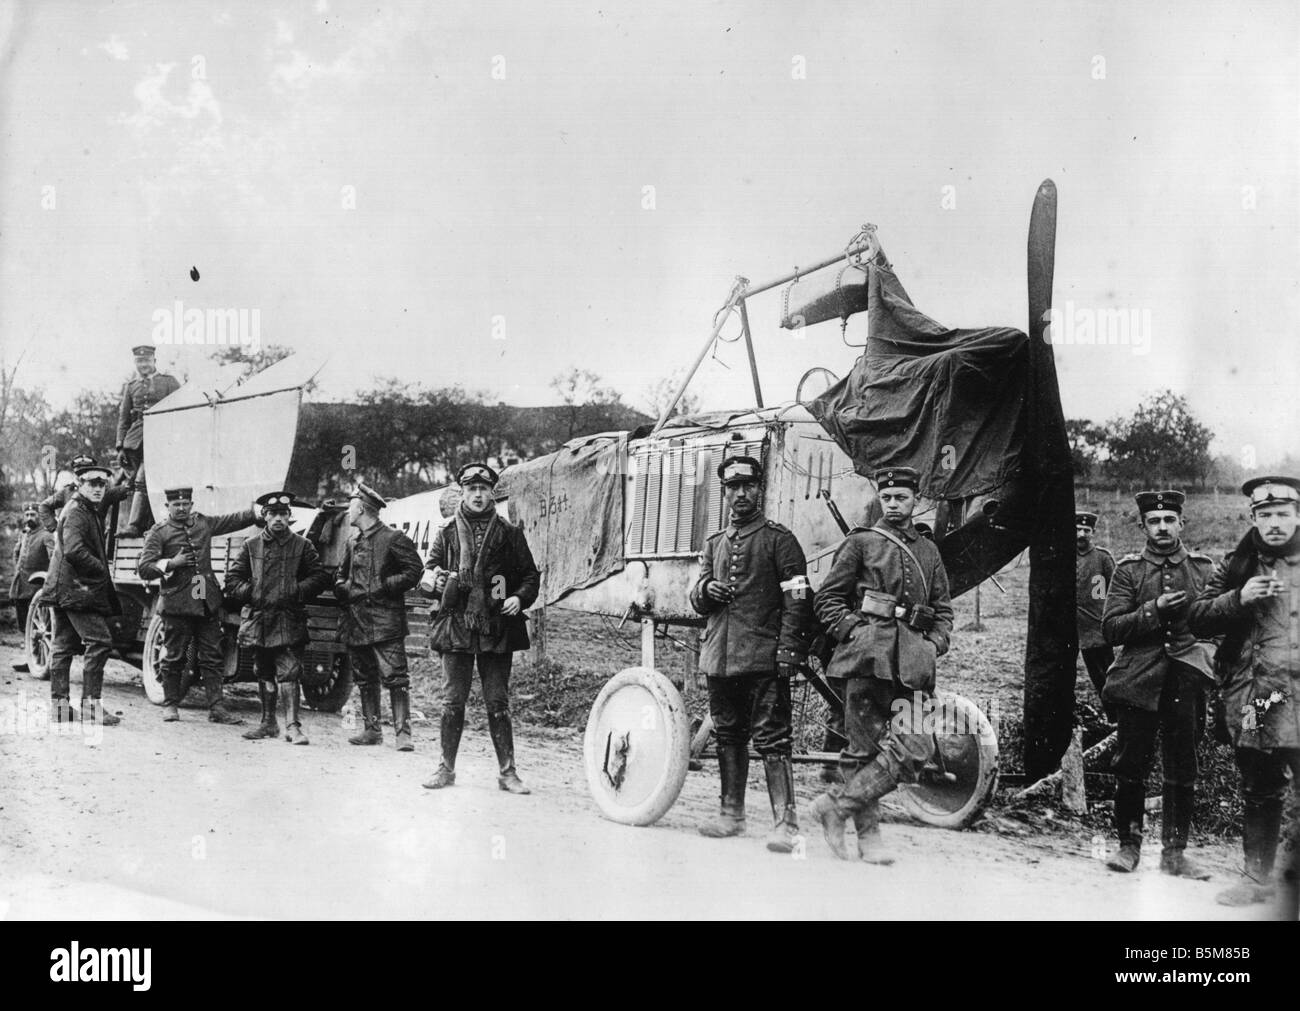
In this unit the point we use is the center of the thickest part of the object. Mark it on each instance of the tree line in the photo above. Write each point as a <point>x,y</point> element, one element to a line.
<point>403,437</point>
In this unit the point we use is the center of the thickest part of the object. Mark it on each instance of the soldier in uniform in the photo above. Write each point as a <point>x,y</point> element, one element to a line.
<point>48,508</point>
<point>178,552</point>
<point>32,552</point>
<point>886,605</point>
<point>140,393</point>
<point>753,587</point>
<point>1251,600</point>
<point>483,573</point>
<point>1157,683</point>
<point>379,565</point>
<point>274,576</point>
<point>82,597</point>
<point>1094,568</point>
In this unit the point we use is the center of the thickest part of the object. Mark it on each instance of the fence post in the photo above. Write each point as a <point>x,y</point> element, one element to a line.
<point>538,651</point>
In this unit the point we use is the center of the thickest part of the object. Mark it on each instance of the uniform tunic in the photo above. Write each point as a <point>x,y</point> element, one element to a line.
<point>883,647</point>
<point>181,592</point>
<point>274,577</point>
<point>1268,659</point>
<point>764,625</point>
<point>1151,643</point>
<point>1094,569</point>
<point>32,553</point>
<point>138,395</point>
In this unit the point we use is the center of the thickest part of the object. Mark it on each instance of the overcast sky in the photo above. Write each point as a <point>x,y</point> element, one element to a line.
<point>499,155</point>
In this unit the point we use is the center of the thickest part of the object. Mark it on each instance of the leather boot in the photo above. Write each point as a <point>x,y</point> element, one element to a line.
<point>93,711</point>
<point>1262,820</point>
<point>827,811</point>
<point>503,739</point>
<point>61,710</point>
<point>370,731</point>
<point>1175,825</point>
<point>871,849</point>
<point>1130,809</point>
<point>453,722</point>
<point>267,727</point>
<point>856,799</point>
<point>400,699</point>
<point>217,710</point>
<point>780,791</point>
<point>138,522</point>
<point>291,701</point>
<point>733,771</point>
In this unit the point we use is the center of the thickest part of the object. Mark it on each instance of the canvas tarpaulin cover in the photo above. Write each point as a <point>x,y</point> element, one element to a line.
<point>947,402</point>
<point>570,505</point>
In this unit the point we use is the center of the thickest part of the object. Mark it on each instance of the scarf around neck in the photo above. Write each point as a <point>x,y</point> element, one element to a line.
<point>471,567</point>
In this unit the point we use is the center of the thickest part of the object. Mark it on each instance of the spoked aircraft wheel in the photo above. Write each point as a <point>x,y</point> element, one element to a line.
<point>637,746</point>
<point>966,773</point>
<point>151,674</point>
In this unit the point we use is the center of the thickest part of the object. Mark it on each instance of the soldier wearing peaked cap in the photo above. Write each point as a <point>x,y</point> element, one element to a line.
<point>82,597</point>
<point>482,572</point>
<point>274,576</point>
<point>32,551</point>
<point>48,509</point>
<point>885,603</point>
<point>379,565</point>
<point>1094,567</point>
<point>1156,685</point>
<point>178,553</point>
<point>753,587</point>
<point>141,392</point>
<point>1251,600</point>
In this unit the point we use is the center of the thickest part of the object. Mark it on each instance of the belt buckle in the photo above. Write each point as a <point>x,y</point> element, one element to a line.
<point>900,611</point>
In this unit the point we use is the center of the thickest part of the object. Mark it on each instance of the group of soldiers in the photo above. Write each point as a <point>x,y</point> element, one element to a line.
<point>1184,627</point>
<point>480,570</point>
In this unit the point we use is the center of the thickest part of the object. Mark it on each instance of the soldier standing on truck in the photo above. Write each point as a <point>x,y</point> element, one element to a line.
<point>178,552</point>
<point>140,393</point>
<point>379,565</point>
<point>274,576</point>
<point>885,603</point>
<point>32,552</point>
<point>81,596</point>
<point>1251,600</point>
<point>1094,568</point>
<point>1156,685</point>
<point>753,587</point>
<point>482,571</point>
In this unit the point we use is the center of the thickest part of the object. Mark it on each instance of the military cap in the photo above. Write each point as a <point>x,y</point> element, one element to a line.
<point>1264,491</point>
<point>1085,519</point>
<point>172,494</point>
<point>82,460</point>
<point>739,469</point>
<point>369,496</point>
<point>898,477</point>
<point>1150,501</point>
<point>276,501</point>
<point>143,349</point>
<point>472,472</point>
<point>29,507</point>
<point>92,470</point>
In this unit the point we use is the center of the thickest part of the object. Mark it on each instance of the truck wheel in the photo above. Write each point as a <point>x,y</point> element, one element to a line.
<point>151,674</point>
<point>637,746</point>
<point>38,637</point>
<point>967,771</point>
<point>326,681</point>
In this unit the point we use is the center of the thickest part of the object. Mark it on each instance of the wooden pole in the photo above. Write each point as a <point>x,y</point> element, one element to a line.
<point>538,652</point>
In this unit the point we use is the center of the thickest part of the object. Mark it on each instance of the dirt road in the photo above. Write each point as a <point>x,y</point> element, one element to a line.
<point>187,820</point>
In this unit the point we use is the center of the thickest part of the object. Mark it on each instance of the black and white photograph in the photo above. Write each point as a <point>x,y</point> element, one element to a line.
<point>604,461</point>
